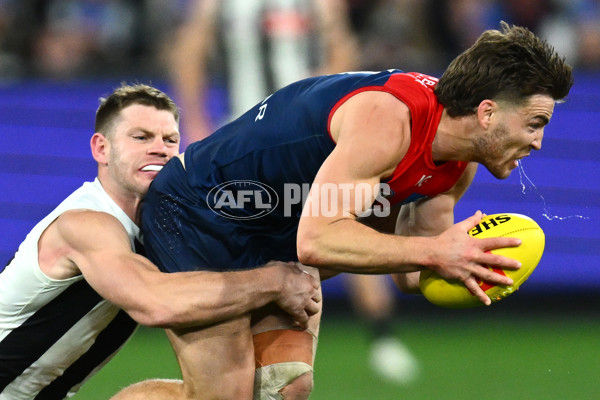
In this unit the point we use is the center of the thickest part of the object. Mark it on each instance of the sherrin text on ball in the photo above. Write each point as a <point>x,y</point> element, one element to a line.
<point>454,294</point>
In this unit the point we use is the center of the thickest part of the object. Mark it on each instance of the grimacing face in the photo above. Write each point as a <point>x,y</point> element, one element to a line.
<point>513,133</point>
<point>142,140</point>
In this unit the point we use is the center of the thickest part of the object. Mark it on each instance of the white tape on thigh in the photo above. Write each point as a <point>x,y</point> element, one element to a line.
<point>269,380</point>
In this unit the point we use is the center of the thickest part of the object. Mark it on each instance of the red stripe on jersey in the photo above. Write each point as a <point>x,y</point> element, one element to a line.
<point>416,173</point>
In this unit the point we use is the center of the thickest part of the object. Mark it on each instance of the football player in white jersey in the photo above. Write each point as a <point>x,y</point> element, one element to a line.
<point>76,288</point>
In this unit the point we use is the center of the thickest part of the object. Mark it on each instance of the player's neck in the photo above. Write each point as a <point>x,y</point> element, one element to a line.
<point>454,138</point>
<point>127,201</point>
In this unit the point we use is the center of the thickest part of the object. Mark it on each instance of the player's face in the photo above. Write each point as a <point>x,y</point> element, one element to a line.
<point>513,133</point>
<point>142,141</point>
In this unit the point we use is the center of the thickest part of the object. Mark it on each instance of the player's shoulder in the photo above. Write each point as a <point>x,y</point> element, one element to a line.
<point>91,202</point>
<point>417,79</point>
<point>78,215</point>
<point>412,83</point>
<point>77,225</point>
<point>410,88</point>
<point>373,101</point>
<point>89,196</point>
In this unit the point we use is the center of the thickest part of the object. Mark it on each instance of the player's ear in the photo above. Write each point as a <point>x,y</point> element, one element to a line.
<point>485,110</point>
<point>99,144</point>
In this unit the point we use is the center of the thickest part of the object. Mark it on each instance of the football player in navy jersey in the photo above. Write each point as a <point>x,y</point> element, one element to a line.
<point>362,142</point>
<point>278,42</point>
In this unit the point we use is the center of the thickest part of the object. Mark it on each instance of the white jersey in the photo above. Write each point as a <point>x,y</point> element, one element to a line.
<point>55,334</point>
<point>266,44</point>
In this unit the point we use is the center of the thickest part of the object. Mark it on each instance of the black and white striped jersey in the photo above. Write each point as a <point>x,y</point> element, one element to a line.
<point>55,334</point>
<point>263,45</point>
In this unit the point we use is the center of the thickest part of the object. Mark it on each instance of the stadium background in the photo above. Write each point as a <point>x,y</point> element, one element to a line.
<point>541,343</point>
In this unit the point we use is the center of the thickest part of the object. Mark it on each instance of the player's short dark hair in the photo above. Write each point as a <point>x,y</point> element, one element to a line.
<point>512,64</point>
<point>126,95</point>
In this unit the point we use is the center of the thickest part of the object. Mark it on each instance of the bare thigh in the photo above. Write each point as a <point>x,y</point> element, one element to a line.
<point>272,318</point>
<point>216,362</point>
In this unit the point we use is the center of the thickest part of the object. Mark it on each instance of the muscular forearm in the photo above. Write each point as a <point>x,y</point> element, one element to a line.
<point>158,299</point>
<point>349,246</point>
<point>204,298</point>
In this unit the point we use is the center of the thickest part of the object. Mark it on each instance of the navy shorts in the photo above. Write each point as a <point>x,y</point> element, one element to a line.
<point>182,233</point>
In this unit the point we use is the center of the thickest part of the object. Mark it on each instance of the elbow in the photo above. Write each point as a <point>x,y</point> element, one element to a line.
<point>316,248</point>
<point>309,252</point>
<point>306,255</point>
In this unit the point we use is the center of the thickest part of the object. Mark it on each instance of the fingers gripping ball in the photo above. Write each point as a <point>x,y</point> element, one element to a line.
<point>454,294</point>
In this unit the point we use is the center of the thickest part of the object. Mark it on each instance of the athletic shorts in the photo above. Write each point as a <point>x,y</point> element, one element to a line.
<point>182,233</point>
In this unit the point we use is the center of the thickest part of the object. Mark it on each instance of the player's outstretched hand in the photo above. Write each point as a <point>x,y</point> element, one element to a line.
<point>300,294</point>
<point>463,257</point>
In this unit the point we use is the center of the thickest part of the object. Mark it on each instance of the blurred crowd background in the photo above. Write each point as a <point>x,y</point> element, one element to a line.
<point>82,39</point>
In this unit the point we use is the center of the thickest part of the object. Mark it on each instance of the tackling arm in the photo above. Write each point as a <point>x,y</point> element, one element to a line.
<point>101,251</point>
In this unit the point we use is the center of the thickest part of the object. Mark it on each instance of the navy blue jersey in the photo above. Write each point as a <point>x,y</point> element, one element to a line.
<point>282,139</point>
<point>232,207</point>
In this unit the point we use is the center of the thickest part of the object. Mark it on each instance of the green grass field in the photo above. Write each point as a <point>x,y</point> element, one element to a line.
<point>549,352</point>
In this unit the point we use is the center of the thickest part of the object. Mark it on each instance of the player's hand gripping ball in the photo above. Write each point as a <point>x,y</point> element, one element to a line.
<point>454,294</point>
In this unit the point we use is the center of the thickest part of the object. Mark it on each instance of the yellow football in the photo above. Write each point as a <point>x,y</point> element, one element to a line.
<point>454,294</point>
